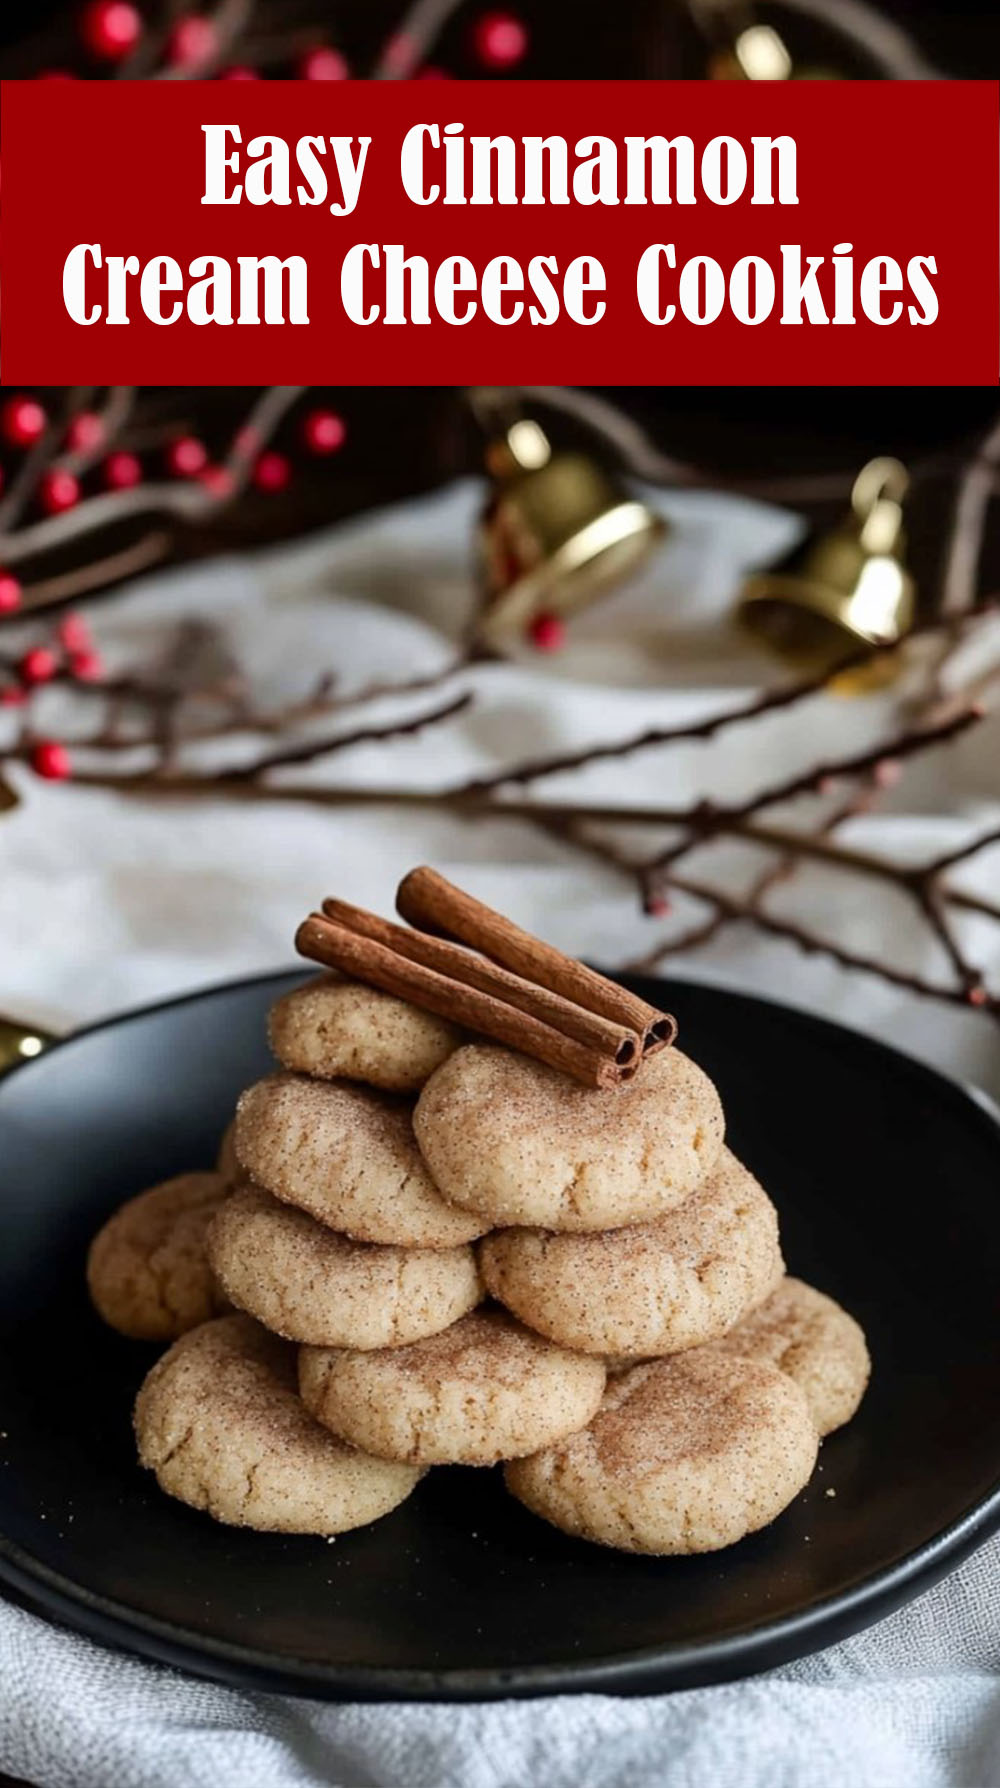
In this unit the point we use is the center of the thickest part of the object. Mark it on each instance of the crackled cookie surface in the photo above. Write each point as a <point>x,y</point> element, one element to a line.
<point>336,1027</point>
<point>686,1454</point>
<point>308,1283</point>
<point>653,1288</point>
<point>220,1422</point>
<point>518,1143</point>
<point>483,1390</point>
<point>809,1336</point>
<point>147,1269</point>
<point>348,1156</point>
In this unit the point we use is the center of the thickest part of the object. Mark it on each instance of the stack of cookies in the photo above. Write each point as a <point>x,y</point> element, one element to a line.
<point>436,1249</point>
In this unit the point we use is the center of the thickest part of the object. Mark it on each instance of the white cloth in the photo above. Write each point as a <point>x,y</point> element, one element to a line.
<point>106,902</point>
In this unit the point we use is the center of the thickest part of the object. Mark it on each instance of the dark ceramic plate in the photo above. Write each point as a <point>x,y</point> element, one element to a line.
<point>886,1180</point>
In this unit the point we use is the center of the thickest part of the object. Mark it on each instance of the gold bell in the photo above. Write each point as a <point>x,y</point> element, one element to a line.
<point>556,531</point>
<point>844,589</point>
<point>752,51</point>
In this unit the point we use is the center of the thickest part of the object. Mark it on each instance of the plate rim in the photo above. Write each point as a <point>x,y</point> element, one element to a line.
<point>650,1669</point>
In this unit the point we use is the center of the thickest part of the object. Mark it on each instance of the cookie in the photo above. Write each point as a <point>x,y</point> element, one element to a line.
<point>519,1143</point>
<point>226,1162</point>
<point>650,1289</point>
<point>335,1027</point>
<point>807,1335</point>
<point>347,1156</point>
<point>308,1283</point>
<point>220,1422</point>
<point>684,1455</point>
<point>147,1269</point>
<point>483,1390</point>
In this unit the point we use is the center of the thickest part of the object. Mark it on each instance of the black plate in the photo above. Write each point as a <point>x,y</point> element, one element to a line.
<point>886,1179</point>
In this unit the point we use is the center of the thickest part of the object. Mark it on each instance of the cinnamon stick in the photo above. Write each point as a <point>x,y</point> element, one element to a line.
<point>433,904</point>
<point>378,965</point>
<point>618,1041</point>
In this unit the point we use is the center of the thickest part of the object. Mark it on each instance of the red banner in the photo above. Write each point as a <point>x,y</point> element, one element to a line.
<point>551,232</point>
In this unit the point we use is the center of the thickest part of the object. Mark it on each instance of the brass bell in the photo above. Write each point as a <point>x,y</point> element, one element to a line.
<point>556,531</point>
<point>847,588</point>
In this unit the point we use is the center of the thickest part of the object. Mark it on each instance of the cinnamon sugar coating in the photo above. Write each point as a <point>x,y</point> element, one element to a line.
<point>650,1289</point>
<point>219,1421</point>
<point>348,1156</point>
<point>335,1027</point>
<point>483,1390</point>
<point>310,1284</point>
<point>686,1454</point>
<point>147,1268</point>
<point>808,1335</point>
<point>518,1143</point>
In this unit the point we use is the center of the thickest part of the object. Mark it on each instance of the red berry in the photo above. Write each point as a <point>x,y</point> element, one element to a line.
<point>10,593</point>
<point>657,906</point>
<point>110,28</point>
<point>122,470</point>
<point>58,491</point>
<point>86,667</point>
<point>217,479</point>
<point>85,432</point>
<point>238,73</point>
<point>22,421</point>
<point>192,42</point>
<point>74,634</point>
<point>186,457</point>
<point>499,39</point>
<point>272,472</point>
<point>887,772</point>
<point>39,665</point>
<point>51,760</point>
<point>323,431</point>
<point>11,697</point>
<point>977,996</point>
<point>547,633</point>
<point>323,64</point>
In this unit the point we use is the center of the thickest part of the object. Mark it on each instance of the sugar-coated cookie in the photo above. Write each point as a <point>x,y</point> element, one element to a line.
<point>226,1162</point>
<point>684,1455</point>
<point>220,1422</point>
<point>334,1027</point>
<point>348,1156</point>
<point>650,1289</point>
<point>147,1269</point>
<point>310,1284</point>
<point>483,1390</point>
<point>809,1336</point>
<point>518,1143</point>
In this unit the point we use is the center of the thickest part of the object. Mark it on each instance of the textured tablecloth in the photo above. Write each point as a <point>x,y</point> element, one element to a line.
<point>106,903</point>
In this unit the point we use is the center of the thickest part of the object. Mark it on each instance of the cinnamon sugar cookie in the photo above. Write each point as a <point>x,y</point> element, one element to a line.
<point>220,1423</point>
<point>226,1162</point>
<point>336,1027</point>
<point>684,1455</point>
<point>650,1289</point>
<point>483,1390</point>
<point>348,1156</point>
<point>147,1269</point>
<point>807,1335</point>
<point>308,1283</point>
<point>518,1143</point>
